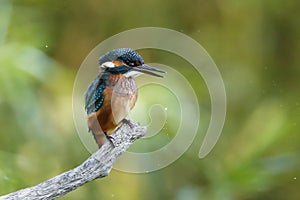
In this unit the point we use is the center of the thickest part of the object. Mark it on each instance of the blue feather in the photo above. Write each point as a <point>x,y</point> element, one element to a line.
<point>94,96</point>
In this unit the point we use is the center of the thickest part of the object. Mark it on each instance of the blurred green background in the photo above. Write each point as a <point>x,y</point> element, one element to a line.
<point>256,46</point>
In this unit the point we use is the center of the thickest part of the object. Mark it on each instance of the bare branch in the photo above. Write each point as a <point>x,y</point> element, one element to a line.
<point>96,166</point>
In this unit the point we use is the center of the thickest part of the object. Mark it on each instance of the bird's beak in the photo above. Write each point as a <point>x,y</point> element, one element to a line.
<point>148,70</point>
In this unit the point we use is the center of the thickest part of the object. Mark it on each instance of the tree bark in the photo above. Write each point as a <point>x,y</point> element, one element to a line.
<point>98,165</point>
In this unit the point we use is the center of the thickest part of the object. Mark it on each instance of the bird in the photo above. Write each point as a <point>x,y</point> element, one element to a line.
<point>113,93</point>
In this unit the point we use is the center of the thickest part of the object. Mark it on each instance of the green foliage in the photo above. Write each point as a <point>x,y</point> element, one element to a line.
<point>255,45</point>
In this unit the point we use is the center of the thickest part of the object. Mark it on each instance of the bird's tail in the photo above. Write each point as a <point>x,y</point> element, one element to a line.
<point>96,130</point>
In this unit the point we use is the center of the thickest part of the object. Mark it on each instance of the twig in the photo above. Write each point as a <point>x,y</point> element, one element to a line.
<point>98,165</point>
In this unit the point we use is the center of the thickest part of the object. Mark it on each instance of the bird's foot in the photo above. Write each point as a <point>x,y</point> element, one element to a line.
<point>110,139</point>
<point>128,122</point>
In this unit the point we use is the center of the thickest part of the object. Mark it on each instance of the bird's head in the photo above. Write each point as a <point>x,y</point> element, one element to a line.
<point>126,61</point>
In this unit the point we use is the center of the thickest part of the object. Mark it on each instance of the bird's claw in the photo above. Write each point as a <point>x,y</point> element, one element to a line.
<point>128,122</point>
<point>110,139</point>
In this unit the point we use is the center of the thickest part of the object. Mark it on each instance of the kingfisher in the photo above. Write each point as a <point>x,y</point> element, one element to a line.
<point>113,93</point>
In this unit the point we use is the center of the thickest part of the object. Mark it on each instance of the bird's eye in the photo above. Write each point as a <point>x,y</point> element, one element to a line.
<point>131,64</point>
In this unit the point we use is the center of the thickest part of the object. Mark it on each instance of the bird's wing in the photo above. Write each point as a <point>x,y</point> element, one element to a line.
<point>94,97</point>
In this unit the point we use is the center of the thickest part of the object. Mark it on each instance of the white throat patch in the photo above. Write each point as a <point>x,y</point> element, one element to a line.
<point>132,74</point>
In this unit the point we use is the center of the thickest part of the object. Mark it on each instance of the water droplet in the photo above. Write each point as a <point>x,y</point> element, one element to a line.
<point>295,178</point>
<point>46,46</point>
<point>166,108</point>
